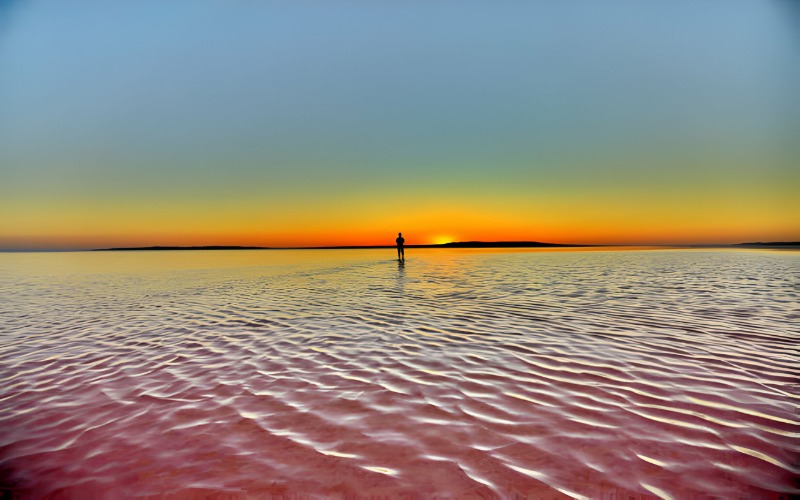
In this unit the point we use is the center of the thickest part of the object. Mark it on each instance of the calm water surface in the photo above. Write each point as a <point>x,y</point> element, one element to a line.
<point>660,373</point>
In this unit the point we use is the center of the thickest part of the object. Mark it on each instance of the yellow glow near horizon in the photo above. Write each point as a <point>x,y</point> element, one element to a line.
<point>442,239</point>
<point>611,215</point>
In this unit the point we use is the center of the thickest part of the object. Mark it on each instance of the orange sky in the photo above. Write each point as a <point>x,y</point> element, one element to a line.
<point>363,220</point>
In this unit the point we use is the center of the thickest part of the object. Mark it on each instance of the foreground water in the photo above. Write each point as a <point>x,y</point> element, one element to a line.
<point>593,374</point>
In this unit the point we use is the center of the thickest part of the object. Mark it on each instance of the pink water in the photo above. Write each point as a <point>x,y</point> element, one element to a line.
<point>483,374</point>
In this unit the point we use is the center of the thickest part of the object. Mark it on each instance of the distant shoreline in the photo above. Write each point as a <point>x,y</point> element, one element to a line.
<point>776,245</point>
<point>455,244</point>
<point>790,244</point>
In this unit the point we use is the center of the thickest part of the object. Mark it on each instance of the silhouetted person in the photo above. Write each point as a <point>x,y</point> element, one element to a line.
<point>401,253</point>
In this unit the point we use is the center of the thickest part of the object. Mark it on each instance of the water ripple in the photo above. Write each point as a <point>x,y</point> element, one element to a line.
<point>461,374</point>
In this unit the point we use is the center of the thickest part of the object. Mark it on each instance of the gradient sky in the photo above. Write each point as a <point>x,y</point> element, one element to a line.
<point>282,123</point>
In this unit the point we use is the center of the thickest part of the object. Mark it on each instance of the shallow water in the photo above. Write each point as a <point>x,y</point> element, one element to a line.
<point>658,373</point>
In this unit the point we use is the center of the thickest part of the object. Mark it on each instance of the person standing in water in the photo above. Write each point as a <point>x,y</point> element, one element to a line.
<point>401,254</point>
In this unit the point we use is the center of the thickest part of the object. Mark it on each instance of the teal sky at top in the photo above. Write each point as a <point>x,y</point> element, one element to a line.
<point>303,98</point>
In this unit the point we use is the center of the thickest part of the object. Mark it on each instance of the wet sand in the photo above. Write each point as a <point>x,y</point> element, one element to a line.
<point>473,374</point>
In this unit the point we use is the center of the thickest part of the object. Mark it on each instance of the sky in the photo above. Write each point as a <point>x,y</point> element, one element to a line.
<point>305,123</point>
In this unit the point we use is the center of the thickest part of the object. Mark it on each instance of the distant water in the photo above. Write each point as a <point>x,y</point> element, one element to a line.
<point>658,373</point>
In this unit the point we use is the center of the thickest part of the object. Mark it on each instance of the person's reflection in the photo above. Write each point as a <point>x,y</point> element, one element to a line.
<point>401,275</point>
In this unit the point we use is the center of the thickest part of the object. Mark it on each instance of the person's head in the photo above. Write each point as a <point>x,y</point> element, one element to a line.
<point>400,234</point>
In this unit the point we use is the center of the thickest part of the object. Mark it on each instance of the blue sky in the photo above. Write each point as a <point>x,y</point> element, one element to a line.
<point>298,106</point>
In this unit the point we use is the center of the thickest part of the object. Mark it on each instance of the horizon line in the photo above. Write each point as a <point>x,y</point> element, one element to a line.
<point>452,244</point>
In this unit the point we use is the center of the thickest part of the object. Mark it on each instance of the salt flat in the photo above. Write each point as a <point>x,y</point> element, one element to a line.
<point>483,373</point>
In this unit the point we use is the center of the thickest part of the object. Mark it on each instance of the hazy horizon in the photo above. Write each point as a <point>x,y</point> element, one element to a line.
<point>501,245</point>
<point>312,124</point>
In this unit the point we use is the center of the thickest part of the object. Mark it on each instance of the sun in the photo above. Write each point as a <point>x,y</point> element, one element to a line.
<point>442,239</point>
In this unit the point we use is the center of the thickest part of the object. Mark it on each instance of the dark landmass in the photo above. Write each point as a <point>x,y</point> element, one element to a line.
<point>454,244</point>
<point>770,244</point>
<point>506,244</point>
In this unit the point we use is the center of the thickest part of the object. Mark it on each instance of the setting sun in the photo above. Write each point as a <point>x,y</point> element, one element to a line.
<point>442,239</point>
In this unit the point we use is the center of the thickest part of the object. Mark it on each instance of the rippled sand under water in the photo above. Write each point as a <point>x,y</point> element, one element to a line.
<point>546,374</point>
